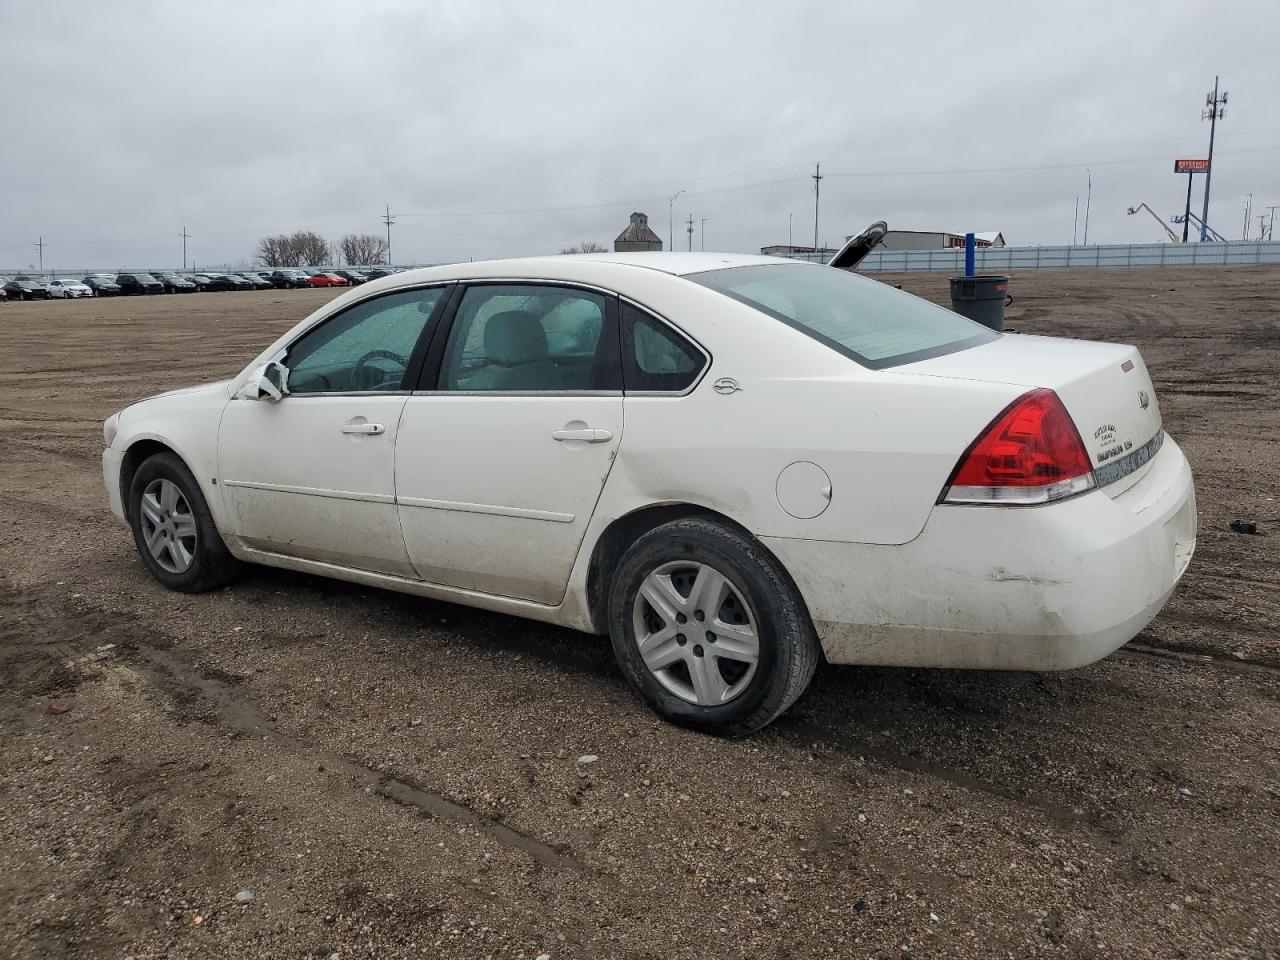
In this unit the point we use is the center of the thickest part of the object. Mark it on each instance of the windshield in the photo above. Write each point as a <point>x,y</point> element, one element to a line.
<point>867,321</point>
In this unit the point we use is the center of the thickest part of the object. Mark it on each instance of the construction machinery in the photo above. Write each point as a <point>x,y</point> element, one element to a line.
<point>1210,233</point>
<point>1173,236</point>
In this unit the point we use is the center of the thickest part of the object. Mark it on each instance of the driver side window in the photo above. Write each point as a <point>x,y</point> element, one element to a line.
<point>364,349</point>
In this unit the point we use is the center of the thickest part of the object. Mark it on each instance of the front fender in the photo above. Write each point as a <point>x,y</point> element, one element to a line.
<point>185,422</point>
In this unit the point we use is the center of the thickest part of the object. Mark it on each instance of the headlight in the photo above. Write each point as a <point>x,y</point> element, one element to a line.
<point>110,427</point>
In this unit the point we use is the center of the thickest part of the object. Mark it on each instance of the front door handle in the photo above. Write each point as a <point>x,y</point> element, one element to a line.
<point>364,428</point>
<point>587,434</point>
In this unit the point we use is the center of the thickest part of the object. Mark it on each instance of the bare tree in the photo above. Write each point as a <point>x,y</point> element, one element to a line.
<point>274,252</point>
<point>301,248</point>
<point>312,248</point>
<point>587,246</point>
<point>362,249</point>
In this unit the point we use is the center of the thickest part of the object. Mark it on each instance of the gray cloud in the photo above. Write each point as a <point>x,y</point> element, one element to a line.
<point>515,128</point>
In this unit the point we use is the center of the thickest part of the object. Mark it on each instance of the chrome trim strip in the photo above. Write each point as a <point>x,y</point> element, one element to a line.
<point>311,491</point>
<point>517,393</point>
<point>521,513</point>
<point>367,394</point>
<point>1109,473</point>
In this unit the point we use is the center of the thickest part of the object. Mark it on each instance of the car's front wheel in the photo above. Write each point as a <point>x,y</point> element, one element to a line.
<point>173,528</point>
<point>708,628</point>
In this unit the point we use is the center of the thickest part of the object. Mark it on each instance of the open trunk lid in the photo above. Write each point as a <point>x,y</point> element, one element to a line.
<point>856,248</point>
<point>1104,386</point>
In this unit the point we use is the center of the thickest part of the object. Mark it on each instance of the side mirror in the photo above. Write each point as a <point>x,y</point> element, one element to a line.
<point>269,382</point>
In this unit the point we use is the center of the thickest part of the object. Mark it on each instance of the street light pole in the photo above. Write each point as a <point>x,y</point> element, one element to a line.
<point>671,205</point>
<point>789,243</point>
<point>1088,200</point>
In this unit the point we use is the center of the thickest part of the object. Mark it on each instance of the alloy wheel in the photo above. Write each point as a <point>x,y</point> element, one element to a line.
<point>695,633</point>
<point>168,525</point>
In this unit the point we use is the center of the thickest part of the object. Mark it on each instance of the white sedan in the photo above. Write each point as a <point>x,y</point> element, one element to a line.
<point>68,289</point>
<point>735,466</point>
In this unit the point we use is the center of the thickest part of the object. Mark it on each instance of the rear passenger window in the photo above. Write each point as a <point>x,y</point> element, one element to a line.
<point>655,358</point>
<point>509,337</point>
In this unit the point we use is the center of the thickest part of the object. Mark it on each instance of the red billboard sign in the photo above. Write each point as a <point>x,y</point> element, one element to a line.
<point>1191,166</point>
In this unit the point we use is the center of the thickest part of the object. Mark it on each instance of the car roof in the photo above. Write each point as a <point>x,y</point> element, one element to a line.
<point>586,267</point>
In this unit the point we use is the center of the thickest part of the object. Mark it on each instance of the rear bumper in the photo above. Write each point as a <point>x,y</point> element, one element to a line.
<point>1005,588</point>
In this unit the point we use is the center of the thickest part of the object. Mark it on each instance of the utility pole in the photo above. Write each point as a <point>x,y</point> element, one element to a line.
<point>40,245</point>
<point>671,204</point>
<point>1262,226</point>
<point>789,243</point>
<point>184,235</point>
<point>691,233</point>
<point>1088,202</point>
<point>817,188</point>
<point>1215,110</point>
<point>1271,221</point>
<point>388,220</point>
<point>704,233</point>
<point>1248,208</point>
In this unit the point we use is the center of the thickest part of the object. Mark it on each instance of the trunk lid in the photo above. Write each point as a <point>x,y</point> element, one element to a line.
<point>1104,386</point>
<point>856,248</point>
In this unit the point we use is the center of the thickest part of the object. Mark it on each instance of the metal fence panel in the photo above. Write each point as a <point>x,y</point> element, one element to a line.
<point>1122,255</point>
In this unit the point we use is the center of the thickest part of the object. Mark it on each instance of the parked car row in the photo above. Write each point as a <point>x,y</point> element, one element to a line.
<point>26,287</point>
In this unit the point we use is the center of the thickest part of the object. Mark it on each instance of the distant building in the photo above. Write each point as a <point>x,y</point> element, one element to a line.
<point>936,240</point>
<point>637,236</point>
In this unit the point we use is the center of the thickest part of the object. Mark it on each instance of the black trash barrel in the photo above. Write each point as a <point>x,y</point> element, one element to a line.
<point>981,298</point>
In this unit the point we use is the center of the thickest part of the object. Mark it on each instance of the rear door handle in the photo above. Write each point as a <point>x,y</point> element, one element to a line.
<point>365,429</point>
<point>587,434</point>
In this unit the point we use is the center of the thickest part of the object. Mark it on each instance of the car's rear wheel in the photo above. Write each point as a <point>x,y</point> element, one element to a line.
<point>708,628</point>
<point>173,529</point>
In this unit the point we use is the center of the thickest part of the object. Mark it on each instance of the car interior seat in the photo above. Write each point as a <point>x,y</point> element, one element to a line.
<point>515,346</point>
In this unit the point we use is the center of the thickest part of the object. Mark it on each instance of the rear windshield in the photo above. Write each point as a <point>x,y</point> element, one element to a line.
<point>867,321</point>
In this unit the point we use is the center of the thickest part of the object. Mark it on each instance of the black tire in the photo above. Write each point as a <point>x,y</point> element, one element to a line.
<point>212,565</point>
<point>789,651</point>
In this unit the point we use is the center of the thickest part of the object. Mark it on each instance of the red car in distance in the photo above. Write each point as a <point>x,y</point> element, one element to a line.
<point>327,280</point>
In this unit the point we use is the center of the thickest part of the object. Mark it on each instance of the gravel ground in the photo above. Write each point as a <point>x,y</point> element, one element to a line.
<point>294,767</point>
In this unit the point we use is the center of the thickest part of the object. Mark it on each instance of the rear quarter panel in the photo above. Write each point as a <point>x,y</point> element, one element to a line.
<point>888,442</point>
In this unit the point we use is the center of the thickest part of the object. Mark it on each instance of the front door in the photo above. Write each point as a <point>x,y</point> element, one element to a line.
<point>313,474</point>
<point>500,463</point>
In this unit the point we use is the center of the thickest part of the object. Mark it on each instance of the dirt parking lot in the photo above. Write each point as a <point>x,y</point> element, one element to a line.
<point>295,767</point>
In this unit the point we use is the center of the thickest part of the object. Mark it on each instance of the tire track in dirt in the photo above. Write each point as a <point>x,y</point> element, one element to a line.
<point>119,644</point>
<point>808,732</point>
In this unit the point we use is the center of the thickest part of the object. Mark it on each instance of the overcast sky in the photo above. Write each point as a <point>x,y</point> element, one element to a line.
<point>503,129</point>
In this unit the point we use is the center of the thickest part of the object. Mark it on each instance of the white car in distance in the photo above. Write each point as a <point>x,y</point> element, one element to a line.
<point>67,289</point>
<point>735,466</point>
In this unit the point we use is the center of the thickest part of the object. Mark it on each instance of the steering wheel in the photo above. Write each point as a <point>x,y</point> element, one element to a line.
<point>367,377</point>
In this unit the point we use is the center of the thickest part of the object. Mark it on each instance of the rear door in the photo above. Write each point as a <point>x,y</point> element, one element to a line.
<point>504,451</point>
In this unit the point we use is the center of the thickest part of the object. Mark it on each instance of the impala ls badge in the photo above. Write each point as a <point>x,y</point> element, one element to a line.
<point>1143,400</point>
<point>726,385</point>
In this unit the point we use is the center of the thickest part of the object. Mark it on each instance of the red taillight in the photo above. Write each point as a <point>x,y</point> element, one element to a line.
<point>1031,453</point>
